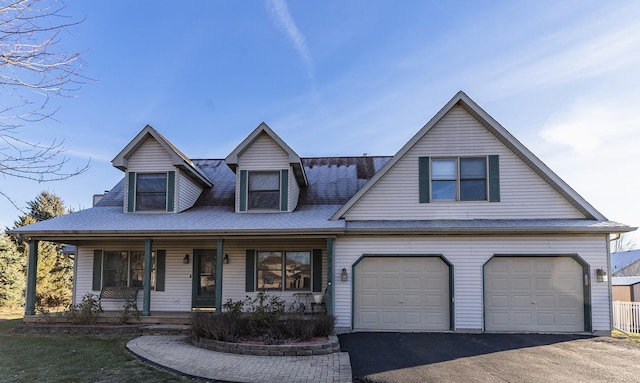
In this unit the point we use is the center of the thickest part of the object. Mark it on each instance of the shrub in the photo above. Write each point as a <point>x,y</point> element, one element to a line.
<point>263,318</point>
<point>85,312</point>
<point>129,311</point>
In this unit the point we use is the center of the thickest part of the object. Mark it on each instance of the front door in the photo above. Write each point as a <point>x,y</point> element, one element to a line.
<point>204,279</point>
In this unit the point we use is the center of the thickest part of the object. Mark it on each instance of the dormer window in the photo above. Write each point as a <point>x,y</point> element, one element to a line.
<point>264,191</point>
<point>151,192</point>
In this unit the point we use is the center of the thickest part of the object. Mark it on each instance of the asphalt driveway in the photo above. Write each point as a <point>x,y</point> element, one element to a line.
<point>487,358</point>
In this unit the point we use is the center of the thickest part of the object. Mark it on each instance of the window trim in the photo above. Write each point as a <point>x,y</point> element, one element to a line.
<point>248,191</point>
<point>459,179</point>
<point>166,192</point>
<point>154,267</point>
<point>283,277</point>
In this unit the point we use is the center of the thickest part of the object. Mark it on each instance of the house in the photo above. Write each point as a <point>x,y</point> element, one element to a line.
<point>463,230</point>
<point>625,263</point>
<point>625,289</point>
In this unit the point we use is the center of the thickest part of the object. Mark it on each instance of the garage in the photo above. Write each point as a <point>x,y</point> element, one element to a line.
<point>402,293</point>
<point>534,294</point>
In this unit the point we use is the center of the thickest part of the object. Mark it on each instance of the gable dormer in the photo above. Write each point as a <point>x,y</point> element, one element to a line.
<point>269,174</point>
<point>158,177</point>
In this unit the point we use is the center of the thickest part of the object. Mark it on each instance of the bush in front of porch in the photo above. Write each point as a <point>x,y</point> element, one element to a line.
<point>265,318</point>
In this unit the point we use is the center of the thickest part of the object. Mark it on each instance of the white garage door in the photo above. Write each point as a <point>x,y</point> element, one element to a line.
<point>534,294</point>
<point>401,293</point>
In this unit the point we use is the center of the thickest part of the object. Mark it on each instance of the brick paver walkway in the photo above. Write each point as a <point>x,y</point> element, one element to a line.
<point>178,354</point>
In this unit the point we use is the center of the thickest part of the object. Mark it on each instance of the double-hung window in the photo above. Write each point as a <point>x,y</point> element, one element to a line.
<point>151,192</point>
<point>264,191</point>
<point>459,179</point>
<point>126,269</point>
<point>283,270</point>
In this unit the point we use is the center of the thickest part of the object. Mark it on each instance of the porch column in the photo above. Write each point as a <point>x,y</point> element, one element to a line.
<point>32,272</point>
<point>148,264</point>
<point>330,273</point>
<point>219,263</point>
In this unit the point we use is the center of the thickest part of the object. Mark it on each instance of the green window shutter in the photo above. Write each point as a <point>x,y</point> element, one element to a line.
<point>97,270</point>
<point>131,192</point>
<point>423,179</point>
<point>171,190</point>
<point>494,179</point>
<point>316,269</point>
<point>161,262</point>
<point>250,273</point>
<point>243,190</point>
<point>284,190</point>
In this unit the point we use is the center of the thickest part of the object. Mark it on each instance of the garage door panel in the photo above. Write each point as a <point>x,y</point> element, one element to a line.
<point>368,283</point>
<point>390,283</point>
<point>521,283</point>
<point>412,293</point>
<point>548,298</point>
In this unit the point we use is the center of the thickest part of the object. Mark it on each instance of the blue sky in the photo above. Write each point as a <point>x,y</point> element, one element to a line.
<point>352,77</point>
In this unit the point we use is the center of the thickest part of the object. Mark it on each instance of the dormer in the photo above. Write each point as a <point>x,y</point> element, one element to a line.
<point>269,174</point>
<point>158,177</point>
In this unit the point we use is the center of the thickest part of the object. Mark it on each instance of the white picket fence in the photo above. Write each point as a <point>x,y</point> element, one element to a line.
<point>626,316</point>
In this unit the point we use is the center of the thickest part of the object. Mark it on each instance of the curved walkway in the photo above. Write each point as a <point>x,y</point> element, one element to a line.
<point>177,354</point>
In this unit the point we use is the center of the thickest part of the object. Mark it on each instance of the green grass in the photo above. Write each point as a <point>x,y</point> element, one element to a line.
<point>66,358</point>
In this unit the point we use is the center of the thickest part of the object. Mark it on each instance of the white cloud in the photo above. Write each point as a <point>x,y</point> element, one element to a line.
<point>280,11</point>
<point>589,126</point>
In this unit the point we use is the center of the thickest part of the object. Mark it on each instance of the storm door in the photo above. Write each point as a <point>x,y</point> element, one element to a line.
<point>204,279</point>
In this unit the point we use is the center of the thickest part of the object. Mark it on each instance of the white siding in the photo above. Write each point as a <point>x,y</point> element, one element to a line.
<point>263,154</point>
<point>523,194</point>
<point>468,255</point>
<point>188,191</point>
<point>150,157</point>
<point>178,287</point>
<point>294,190</point>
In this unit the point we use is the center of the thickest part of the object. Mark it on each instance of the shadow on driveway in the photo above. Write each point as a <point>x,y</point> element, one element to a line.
<point>374,352</point>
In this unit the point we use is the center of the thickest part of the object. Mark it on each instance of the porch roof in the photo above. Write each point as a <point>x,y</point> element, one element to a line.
<point>112,221</point>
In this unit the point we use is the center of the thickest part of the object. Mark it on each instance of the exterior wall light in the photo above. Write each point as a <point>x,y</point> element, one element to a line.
<point>601,275</point>
<point>185,260</point>
<point>226,259</point>
<point>343,275</point>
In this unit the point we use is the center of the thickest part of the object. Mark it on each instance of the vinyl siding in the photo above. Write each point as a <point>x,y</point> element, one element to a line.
<point>468,255</point>
<point>151,157</point>
<point>188,192</point>
<point>523,194</point>
<point>265,155</point>
<point>178,287</point>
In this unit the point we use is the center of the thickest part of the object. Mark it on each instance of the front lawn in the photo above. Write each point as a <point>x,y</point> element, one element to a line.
<point>66,358</point>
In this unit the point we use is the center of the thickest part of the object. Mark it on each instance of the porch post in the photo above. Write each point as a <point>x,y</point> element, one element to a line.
<point>330,273</point>
<point>146,304</point>
<point>219,262</point>
<point>32,272</point>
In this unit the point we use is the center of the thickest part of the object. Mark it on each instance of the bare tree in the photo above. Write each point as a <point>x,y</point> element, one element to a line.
<point>624,243</point>
<point>33,69</point>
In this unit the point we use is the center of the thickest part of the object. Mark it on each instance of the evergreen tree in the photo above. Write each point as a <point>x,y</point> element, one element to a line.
<point>55,269</point>
<point>12,277</point>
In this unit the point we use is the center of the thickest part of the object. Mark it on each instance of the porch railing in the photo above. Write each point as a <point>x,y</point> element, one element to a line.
<point>626,316</point>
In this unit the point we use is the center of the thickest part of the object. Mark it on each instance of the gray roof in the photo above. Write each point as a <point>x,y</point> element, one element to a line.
<point>333,181</point>
<point>488,226</point>
<point>622,259</point>
<point>625,281</point>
